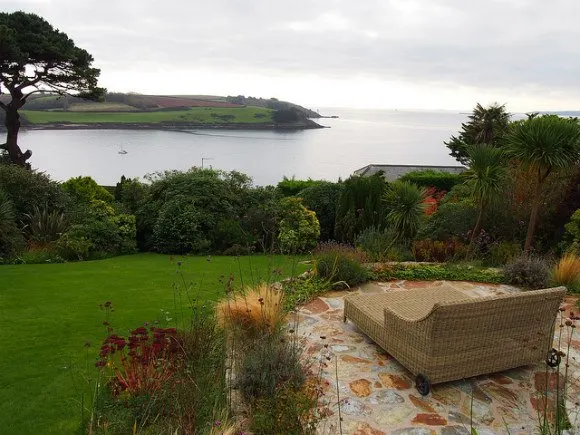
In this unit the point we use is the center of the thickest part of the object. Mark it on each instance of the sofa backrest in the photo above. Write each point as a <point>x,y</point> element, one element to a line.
<point>526,316</point>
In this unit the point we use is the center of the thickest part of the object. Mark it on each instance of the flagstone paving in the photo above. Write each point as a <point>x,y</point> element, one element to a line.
<point>377,395</point>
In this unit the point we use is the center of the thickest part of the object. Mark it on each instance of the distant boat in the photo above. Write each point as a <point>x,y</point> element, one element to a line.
<point>122,151</point>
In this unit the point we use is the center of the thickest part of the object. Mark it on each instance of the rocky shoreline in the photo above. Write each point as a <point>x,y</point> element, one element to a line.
<point>171,126</point>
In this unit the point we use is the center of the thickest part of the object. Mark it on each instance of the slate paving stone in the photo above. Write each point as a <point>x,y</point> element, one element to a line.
<point>377,394</point>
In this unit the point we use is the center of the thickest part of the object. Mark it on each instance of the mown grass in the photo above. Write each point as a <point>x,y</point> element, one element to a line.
<point>202,115</point>
<point>49,311</point>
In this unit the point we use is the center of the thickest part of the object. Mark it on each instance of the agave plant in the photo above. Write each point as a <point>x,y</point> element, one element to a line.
<point>45,226</point>
<point>407,207</point>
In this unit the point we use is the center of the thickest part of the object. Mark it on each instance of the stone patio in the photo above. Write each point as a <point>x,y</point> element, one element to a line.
<point>377,395</point>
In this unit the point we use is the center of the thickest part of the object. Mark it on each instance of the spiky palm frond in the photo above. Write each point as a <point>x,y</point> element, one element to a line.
<point>545,142</point>
<point>45,226</point>
<point>407,207</point>
<point>486,172</point>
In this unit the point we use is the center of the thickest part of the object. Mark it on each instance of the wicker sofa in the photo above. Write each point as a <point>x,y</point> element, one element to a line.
<point>439,334</point>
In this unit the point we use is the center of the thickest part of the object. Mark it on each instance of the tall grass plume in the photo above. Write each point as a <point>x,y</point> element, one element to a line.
<point>256,309</point>
<point>567,271</point>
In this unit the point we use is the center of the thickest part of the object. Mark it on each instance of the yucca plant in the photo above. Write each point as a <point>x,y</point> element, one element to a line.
<point>485,176</point>
<point>43,226</point>
<point>406,209</point>
<point>547,145</point>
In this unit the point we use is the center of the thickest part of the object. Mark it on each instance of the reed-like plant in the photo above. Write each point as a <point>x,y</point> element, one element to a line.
<point>256,309</point>
<point>567,271</point>
<point>44,226</point>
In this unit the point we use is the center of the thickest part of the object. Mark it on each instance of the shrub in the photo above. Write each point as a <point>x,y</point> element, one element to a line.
<point>360,206</point>
<point>572,236</point>
<point>502,253</point>
<point>377,244</point>
<point>437,272</point>
<point>28,189</point>
<point>178,228</point>
<point>268,364</point>
<point>406,209</point>
<point>11,240</point>
<point>340,263</point>
<point>431,178</point>
<point>40,255</point>
<point>299,227</point>
<point>567,272</point>
<point>292,186</point>
<point>438,251</point>
<point>257,310</point>
<point>298,291</point>
<point>85,189</point>
<point>322,198</point>
<point>452,219</point>
<point>206,197</point>
<point>73,246</point>
<point>528,271</point>
<point>131,193</point>
<point>229,233</point>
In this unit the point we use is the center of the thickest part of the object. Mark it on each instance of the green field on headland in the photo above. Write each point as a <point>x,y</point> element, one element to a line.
<point>194,115</point>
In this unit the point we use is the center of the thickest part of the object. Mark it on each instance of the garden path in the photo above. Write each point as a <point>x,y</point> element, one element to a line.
<point>377,395</point>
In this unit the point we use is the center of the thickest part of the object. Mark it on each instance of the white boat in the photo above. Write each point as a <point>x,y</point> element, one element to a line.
<point>122,151</point>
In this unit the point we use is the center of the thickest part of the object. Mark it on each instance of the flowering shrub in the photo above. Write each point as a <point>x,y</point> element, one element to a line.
<point>142,362</point>
<point>299,227</point>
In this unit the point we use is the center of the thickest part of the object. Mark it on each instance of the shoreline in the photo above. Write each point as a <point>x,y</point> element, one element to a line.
<point>166,126</point>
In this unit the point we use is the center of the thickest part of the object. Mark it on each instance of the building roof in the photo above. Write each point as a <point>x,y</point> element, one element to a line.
<point>393,172</point>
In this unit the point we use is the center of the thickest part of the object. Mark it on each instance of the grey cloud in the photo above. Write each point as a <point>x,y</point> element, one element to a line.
<point>500,43</point>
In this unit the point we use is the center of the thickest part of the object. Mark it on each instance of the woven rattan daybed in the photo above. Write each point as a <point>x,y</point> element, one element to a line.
<point>439,334</point>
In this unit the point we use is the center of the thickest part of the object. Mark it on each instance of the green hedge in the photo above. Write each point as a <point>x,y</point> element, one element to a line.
<point>430,178</point>
<point>438,272</point>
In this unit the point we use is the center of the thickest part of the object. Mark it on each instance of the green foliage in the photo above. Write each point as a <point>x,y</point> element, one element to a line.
<point>44,227</point>
<point>98,231</point>
<point>286,116</point>
<point>529,272</point>
<point>299,227</point>
<point>11,240</point>
<point>487,125</point>
<point>546,145</point>
<point>298,291</point>
<point>130,193</point>
<point>205,196</point>
<point>380,245</point>
<point>292,186</point>
<point>486,173</point>
<point>340,264</point>
<point>28,189</point>
<point>178,229</point>
<point>452,219</point>
<point>42,255</point>
<point>31,42</point>
<point>268,363</point>
<point>440,180</point>
<point>572,236</point>
<point>322,198</point>
<point>260,220</point>
<point>406,209</point>
<point>449,272</point>
<point>229,234</point>
<point>360,206</point>
<point>438,251</point>
<point>502,253</point>
<point>85,189</point>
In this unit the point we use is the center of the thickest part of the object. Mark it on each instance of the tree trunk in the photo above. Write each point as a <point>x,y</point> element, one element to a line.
<point>534,214</point>
<point>12,123</point>
<point>475,232</point>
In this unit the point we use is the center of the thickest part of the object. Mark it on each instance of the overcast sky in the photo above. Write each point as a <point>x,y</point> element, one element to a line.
<point>404,54</point>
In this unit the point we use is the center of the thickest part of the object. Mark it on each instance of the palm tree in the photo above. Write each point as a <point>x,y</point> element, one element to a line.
<point>406,208</point>
<point>489,124</point>
<point>486,175</point>
<point>545,144</point>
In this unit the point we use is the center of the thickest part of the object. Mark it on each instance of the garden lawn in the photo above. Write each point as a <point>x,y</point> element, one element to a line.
<point>49,311</point>
<point>201,115</point>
